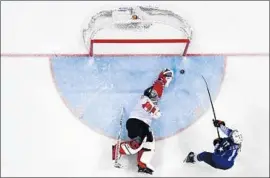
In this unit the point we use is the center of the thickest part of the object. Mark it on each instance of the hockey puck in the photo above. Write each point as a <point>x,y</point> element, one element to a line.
<point>182,71</point>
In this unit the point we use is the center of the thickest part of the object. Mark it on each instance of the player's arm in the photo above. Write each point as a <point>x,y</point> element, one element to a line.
<point>221,125</point>
<point>227,131</point>
<point>150,107</point>
<point>164,79</point>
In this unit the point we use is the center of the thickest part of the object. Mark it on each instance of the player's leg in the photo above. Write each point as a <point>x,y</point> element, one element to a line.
<point>133,127</point>
<point>206,157</point>
<point>222,162</point>
<point>132,146</point>
<point>215,161</point>
<point>211,159</point>
<point>145,155</point>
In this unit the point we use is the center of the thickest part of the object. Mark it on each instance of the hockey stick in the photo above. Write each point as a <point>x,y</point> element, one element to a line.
<point>211,103</point>
<point>117,156</point>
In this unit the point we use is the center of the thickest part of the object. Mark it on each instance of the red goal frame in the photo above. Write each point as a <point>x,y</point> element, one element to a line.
<point>94,41</point>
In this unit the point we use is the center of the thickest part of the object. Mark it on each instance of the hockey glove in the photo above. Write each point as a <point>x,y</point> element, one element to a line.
<point>166,77</point>
<point>217,123</point>
<point>217,141</point>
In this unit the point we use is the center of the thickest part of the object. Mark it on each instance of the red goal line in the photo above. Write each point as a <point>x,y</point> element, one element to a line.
<point>49,55</point>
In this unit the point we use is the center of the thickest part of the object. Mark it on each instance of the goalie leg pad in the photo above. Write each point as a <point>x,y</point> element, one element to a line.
<point>129,147</point>
<point>145,155</point>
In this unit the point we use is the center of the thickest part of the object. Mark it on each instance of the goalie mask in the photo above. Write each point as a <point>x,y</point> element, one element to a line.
<point>152,94</point>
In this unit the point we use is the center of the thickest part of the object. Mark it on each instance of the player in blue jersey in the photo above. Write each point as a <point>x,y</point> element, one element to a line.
<point>225,152</point>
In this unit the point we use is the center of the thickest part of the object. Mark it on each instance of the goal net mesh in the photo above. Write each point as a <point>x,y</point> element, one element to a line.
<point>136,20</point>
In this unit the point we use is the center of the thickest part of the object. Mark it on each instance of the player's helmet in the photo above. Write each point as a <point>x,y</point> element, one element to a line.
<point>236,137</point>
<point>152,94</point>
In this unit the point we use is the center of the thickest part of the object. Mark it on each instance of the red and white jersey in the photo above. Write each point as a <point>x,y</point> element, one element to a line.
<point>145,110</point>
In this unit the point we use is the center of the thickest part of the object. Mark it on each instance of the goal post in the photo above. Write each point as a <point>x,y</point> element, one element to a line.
<point>137,31</point>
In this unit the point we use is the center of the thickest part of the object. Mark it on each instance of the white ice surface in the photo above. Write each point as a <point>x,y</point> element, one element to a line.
<point>40,137</point>
<point>55,27</point>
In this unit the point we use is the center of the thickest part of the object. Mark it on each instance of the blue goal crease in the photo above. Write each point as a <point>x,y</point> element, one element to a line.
<point>100,86</point>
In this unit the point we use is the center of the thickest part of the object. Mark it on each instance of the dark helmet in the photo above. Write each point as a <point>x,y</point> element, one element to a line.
<point>152,94</point>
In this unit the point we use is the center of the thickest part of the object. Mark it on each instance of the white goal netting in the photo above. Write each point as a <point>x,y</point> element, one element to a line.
<point>138,19</point>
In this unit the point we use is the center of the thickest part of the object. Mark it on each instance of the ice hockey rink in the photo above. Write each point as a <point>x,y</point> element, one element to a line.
<point>41,136</point>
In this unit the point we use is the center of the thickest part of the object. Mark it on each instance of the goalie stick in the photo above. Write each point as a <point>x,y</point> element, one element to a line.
<point>117,156</point>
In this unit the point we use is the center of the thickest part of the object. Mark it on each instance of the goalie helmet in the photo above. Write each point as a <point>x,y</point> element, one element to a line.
<point>152,94</point>
<point>236,137</point>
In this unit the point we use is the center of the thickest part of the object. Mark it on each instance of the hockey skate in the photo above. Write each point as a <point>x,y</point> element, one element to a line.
<point>145,169</point>
<point>190,158</point>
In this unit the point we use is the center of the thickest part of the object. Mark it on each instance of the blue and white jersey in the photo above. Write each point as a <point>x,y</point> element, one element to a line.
<point>227,148</point>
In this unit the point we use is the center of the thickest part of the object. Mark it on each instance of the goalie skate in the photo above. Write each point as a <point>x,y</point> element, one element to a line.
<point>145,170</point>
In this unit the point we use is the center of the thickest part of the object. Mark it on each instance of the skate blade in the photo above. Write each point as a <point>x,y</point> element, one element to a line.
<point>185,160</point>
<point>118,165</point>
<point>146,173</point>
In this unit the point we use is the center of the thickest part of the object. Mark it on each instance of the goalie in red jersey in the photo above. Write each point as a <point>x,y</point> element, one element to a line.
<point>138,125</point>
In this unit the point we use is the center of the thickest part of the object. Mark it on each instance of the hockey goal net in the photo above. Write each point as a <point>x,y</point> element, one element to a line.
<point>137,31</point>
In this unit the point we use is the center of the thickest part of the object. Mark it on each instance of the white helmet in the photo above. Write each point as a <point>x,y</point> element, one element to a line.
<point>236,137</point>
